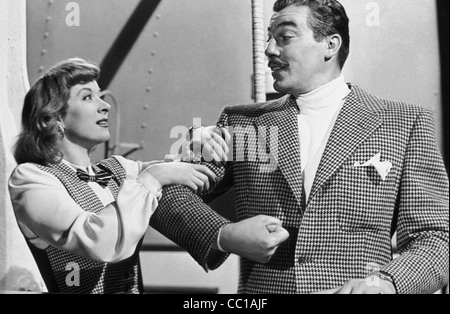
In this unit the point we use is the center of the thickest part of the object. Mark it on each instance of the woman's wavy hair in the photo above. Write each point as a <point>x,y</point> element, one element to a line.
<point>328,17</point>
<point>44,106</point>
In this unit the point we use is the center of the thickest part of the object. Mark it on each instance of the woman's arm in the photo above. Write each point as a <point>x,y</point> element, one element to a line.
<point>43,205</point>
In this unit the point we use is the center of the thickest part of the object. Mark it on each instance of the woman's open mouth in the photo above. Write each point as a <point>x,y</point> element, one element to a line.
<point>103,123</point>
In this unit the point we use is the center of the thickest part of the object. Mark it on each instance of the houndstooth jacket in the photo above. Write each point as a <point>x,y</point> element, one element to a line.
<point>344,230</point>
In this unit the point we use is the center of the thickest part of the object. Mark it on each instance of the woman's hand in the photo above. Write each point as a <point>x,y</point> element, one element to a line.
<point>195,177</point>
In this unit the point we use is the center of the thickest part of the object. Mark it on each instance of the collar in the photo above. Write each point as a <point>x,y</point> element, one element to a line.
<point>325,96</point>
<point>75,167</point>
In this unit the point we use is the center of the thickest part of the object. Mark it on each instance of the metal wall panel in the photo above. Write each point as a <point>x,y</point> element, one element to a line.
<point>192,58</point>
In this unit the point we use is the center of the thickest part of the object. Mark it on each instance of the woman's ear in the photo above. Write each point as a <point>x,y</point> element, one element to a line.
<point>45,122</point>
<point>61,129</point>
<point>60,124</point>
<point>334,43</point>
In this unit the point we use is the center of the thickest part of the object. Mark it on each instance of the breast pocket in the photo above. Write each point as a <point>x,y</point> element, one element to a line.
<point>365,201</point>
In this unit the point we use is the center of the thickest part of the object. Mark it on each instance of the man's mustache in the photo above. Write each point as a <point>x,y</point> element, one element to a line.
<point>277,63</point>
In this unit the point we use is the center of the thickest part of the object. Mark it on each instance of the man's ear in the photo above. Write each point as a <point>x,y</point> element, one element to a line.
<point>334,43</point>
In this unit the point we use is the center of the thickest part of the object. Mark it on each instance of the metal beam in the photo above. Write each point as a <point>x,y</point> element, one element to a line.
<point>125,41</point>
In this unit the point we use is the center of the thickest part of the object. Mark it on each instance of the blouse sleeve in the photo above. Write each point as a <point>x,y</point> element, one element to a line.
<point>43,205</point>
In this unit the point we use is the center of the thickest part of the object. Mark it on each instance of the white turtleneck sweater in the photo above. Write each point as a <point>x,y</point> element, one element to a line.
<point>319,110</point>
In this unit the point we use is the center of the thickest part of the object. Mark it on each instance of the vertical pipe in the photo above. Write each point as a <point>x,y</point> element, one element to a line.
<point>443,22</point>
<point>259,58</point>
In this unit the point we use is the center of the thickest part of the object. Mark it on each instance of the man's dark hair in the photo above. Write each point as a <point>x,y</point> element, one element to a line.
<point>328,17</point>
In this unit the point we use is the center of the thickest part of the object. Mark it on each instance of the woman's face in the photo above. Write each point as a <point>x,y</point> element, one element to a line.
<point>86,121</point>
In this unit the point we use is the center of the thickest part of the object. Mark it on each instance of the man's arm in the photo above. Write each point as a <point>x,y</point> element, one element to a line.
<point>184,218</point>
<point>422,225</point>
<point>423,220</point>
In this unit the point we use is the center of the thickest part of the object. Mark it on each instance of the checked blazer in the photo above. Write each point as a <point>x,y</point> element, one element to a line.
<point>344,230</point>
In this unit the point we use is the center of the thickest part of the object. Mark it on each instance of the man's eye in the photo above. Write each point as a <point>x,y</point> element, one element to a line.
<point>283,39</point>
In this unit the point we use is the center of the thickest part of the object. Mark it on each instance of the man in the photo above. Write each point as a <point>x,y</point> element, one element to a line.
<point>350,170</point>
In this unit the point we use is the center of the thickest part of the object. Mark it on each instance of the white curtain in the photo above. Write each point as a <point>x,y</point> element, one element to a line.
<point>18,271</point>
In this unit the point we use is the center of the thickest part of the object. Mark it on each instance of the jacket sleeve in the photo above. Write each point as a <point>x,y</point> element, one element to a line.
<point>423,215</point>
<point>184,218</point>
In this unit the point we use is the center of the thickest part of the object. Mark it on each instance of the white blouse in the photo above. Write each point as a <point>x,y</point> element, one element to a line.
<point>47,214</point>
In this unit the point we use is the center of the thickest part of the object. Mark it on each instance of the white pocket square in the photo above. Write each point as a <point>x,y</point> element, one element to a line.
<point>383,167</point>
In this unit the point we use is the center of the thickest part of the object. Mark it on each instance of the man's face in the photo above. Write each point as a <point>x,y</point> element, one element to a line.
<point>297,60</point>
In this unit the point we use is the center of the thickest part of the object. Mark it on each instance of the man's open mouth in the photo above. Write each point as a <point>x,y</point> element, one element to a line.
<point>278,66</point>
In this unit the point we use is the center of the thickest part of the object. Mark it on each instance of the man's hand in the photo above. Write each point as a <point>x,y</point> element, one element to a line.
<point>255,238</point>
<point>213,143</point>
<point>370,285</point>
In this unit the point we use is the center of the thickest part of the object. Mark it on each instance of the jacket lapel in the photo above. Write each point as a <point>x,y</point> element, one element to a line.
<point>284,143</point>
<point>354,124</point>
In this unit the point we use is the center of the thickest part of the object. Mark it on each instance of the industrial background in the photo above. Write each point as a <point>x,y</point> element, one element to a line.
<point>168,62</point>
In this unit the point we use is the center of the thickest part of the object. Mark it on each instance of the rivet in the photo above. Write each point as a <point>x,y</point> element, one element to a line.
<point>44,51</point>
<point>48,19</point>
<point>153,53</point>
<point>156,34</point>
<point>41,68</point>
<point>158,16</point>
<point>50,2</point>
<point>143,125</point>
<point>46,34</point>
<point>150,71</point>
<point>148,89</point>
<point>146,107</point>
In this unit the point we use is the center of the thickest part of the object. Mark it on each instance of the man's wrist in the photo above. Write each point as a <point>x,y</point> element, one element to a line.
<point>219,243</point>
<point>387,278</point>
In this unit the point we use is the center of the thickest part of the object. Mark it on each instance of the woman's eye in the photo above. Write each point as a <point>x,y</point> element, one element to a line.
<point>88,97</point>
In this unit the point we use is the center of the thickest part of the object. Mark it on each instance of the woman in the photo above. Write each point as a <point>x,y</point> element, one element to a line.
<point>84,223</point>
